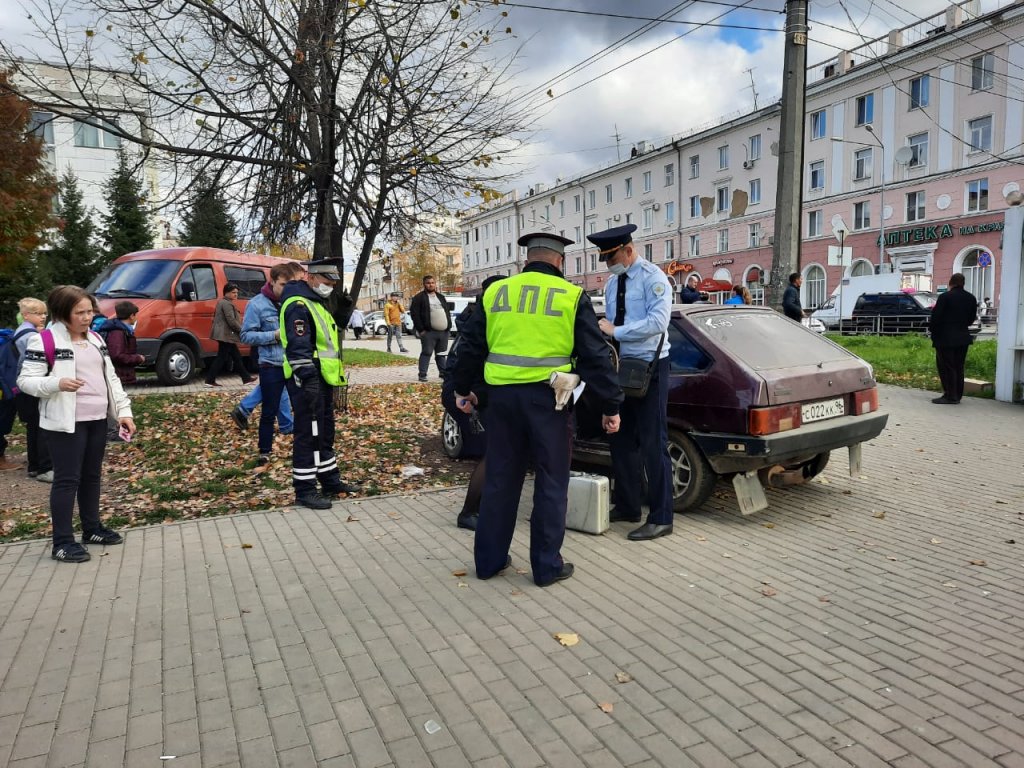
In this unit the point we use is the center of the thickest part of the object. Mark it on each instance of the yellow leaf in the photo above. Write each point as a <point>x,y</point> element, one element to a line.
<point>606,707</point>
<point>352,519</point>
<point>568,639</point>
<point>460,572</point>
<point>879,515</point>
<point>246,546</point>
<point>978,562</point>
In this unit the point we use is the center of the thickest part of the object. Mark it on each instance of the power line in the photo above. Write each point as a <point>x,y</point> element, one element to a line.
<point>631,17</point>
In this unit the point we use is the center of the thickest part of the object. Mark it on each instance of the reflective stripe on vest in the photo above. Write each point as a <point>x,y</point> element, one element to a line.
<point>327,349</point>
<point>531,319</point>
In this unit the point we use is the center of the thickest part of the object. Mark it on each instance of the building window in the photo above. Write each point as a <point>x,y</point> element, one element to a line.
<point>629,187</point>
<point>755,147</point>
<point>41,125</point>
<point>723,157</point>
<point>647,181</point>
<point>508,251</point>
<point>578,202</point>
<point>608,223</point>
<point>648,218</point>
<point>465,237</point>
<point>670,250</point>
<point>695,167</point>
<point>487,255</point>
<point>817,175</point>
<point>723,240</point>
<point>866,109</point>
<point>814,286</point>
<point>591,227</point>
<point>670,213</point>
<point>629,218</point>
<point>919,87</point>
<point>915,206</point>
<point>476,258</point>
<point>694,206</point>
<point>818,124</point>
<point>862,215</point>
<point>722,199</point>
<point>576,231</point>
<point>476,234</point>
<point>90,136</point>
<point>607,193</point>
<point>919,144</point>
<point>593,262</point>
<point>755,191</point>
<point>983,72</point>
<point>547,213</point>
<point>977,195</point>
<point>814,223</point>
<point>670,174</point>
<point>579,265</point>
<point>561,209</point>
<point>980,131</point>
<point>862,164</point>
<point>695,245</point>
<point>754,234</point>
<point>487,231</point>
<point>649,251</point>
<point>508,224</point>
<point>592,199</point>
<point>522,221</point>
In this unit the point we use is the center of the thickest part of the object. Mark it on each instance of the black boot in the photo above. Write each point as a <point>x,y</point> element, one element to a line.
<point>468,521</point>
<point>313,500</point>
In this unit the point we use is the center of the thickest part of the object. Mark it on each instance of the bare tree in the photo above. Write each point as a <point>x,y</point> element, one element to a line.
<point>338,120</point>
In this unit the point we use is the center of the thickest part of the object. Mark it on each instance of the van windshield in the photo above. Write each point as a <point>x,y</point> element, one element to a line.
<point>142,279</point>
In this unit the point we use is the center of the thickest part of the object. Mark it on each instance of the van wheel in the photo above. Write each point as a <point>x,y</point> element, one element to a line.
<point>451,436</point>
<point>693,480</point>
<point>175,364</point>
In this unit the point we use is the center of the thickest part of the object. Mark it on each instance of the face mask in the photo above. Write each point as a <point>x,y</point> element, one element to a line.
<point>617,269</point>
<point>324,290</point>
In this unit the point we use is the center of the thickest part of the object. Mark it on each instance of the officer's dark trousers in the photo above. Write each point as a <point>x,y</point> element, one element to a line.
<point>305,469</point>
<point>641,444</point>
<point>522,423</point>
<point>950,362</point>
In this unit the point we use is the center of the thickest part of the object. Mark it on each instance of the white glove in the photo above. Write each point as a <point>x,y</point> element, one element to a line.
<point>563,384</point>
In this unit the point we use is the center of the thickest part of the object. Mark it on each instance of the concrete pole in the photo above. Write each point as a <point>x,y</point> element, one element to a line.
<point>1010,338</point>
<point>790,180</point>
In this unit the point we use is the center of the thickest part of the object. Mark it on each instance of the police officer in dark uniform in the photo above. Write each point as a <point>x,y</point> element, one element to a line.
<point>532,325</point>
<point>312,369</point>
<point>638,303</point>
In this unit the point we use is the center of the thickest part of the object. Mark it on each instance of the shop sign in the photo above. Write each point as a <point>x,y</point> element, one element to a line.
<point>924,234</point>
<point>722,262</point>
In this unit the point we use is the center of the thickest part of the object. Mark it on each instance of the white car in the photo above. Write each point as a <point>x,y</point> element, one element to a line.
<point>813,324</point>
<point>378,327</point>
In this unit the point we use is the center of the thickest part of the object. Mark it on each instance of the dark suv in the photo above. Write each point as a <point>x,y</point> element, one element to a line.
<point>894,313</point>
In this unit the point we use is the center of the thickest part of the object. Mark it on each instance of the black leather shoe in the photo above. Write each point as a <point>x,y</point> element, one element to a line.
<point>649,531</point>
<point>508,562</point>
<point>343,487</point>
<point>468,522</point>
<point>621,517</point>
<point>567,570</point>
<point>313,500</point>
<point>944,401</point>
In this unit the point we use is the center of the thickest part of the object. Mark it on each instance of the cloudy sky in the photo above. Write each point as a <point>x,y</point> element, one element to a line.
<point>671,77</point>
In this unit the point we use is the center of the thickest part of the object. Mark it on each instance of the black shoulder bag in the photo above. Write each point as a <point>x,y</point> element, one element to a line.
<point>635,374</point>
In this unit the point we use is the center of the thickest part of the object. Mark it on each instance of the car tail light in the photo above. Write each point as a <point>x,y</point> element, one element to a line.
<point>780,418</point>
<point>865,401</point>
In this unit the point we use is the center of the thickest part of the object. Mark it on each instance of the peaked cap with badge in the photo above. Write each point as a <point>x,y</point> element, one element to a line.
<point>330,268</point>
<point>610,240</point>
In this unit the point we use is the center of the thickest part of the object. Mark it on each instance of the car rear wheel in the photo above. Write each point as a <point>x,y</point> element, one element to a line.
<point>451,436</point>
<point>693,480</point>
<point>175,364</point>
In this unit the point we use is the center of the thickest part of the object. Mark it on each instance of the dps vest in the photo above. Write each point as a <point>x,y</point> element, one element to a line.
<point>530,322</point>
<point>327,351</point>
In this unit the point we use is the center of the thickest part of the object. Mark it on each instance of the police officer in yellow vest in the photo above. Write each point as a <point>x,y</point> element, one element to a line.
<point>312,369</point>
<point>532,324</point>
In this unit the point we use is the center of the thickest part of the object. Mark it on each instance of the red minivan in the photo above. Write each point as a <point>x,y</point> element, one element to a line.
<point>176,291</point>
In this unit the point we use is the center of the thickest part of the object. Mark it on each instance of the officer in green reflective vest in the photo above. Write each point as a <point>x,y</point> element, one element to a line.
<point>532,325</point>
<point>312,369</point>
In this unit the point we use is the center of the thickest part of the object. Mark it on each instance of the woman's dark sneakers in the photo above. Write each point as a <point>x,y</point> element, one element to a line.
<point>71,553</point>
<point>101,535</point>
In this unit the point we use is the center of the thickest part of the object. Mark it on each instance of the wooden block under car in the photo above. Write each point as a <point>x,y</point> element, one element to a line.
<point>589,503</point>
<point>976,386</point>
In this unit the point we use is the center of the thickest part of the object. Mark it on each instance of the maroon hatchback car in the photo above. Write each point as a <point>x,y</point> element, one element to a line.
<point>754,397</point>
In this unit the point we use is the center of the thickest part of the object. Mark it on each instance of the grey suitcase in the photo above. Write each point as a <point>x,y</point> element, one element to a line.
<point>589,501</point>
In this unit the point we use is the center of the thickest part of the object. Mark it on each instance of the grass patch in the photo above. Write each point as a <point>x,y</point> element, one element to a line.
<point>909,361</point>
<point>371,358</point>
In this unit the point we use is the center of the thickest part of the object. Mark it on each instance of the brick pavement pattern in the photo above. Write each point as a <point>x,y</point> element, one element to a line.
<point>871,621</point>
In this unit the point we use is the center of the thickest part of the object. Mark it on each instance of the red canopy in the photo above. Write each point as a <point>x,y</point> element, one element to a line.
<point>710,285</point>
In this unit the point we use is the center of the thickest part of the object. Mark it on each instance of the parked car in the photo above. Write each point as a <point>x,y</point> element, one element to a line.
<point>176,291</point>
<point>378,326</point>
<point>891,313</point>
<point>813,324</point>
<point>753,398</point>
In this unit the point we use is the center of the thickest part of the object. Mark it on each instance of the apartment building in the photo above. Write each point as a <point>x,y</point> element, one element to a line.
<point>912,143</point>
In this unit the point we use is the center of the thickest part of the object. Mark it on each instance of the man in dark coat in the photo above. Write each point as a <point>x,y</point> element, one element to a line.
<point>949,324</point>
<point>432,320</point>
<point>791,298</point>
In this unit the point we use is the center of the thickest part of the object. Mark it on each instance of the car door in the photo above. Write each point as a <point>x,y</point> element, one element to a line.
<point>195,300</point>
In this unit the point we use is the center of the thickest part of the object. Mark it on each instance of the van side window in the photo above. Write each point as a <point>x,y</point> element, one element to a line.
<point>248,280</point>
<point>203,282</point>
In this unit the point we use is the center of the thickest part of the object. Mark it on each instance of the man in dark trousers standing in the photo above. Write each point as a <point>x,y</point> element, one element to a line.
<point>533,325</point>
<point>952,316</point>
<point>312,370</point>
<point>432,322</point>
<point>791,307</point>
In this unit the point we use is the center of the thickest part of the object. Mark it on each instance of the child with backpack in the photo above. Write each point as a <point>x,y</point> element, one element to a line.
<point>18,403</point>
<point>119,333</point>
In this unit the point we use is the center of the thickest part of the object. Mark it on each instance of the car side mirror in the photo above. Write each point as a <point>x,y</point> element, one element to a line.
<point>186,290</point>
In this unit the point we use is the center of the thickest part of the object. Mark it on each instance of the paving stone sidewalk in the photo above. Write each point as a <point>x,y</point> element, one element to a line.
<point>872,621</point>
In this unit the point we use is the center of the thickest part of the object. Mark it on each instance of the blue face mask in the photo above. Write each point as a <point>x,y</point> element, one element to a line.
<point>617,269</point>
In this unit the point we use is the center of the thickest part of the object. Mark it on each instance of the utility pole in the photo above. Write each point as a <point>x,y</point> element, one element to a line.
<point>789,187</point>
<point>753,87</point>
<point>617,137</point>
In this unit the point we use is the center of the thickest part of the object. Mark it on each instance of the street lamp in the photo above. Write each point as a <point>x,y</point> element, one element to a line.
<point>881,190</point>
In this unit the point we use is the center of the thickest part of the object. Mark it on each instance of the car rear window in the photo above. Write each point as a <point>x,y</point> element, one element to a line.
<point>767,340</point>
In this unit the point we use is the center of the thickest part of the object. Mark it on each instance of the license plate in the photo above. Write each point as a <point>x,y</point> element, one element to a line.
<point>823,409</point>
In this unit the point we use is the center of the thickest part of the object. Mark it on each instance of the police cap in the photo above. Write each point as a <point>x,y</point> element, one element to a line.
<point>547,240</point>
<point>329,268</point>
<point>610,240</point>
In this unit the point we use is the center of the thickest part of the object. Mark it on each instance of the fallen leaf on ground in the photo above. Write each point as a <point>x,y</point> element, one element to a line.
<point>824,599</point>
<point>769,591</point>
<point>978,562</point>
<point>936,541</point>
<point>246,545</point>
<point>568,639</point>
<point>606,707</point>
<point>462,584</point>
<point>949,585</point>
<point>726,554</point>
<point>623,677</point>
<point>768,525</point>
<point>459,572</point>
<point>702,538</point>
<point>880,514</point>
<point>352,519</point>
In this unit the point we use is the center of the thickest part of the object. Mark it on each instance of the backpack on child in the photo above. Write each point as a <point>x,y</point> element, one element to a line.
<point>9,358</point>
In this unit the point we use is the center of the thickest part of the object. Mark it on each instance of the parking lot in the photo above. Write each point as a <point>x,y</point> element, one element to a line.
<point>867,621</point>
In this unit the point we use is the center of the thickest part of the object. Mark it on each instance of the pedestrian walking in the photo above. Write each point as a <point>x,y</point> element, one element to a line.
<point>393,312</point>
<point>227,325</point>
<point>791,307</point>
<point>953,314</point>
<point>432,322</point>
<point>356,322</point>
<point>638,298</point>
<point>313,368</point>
<point>532,325</point>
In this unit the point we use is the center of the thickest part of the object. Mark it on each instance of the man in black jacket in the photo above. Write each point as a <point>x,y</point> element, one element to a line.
<point>791,298</point>
<point>949,324</point>
<point>432,321</point>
